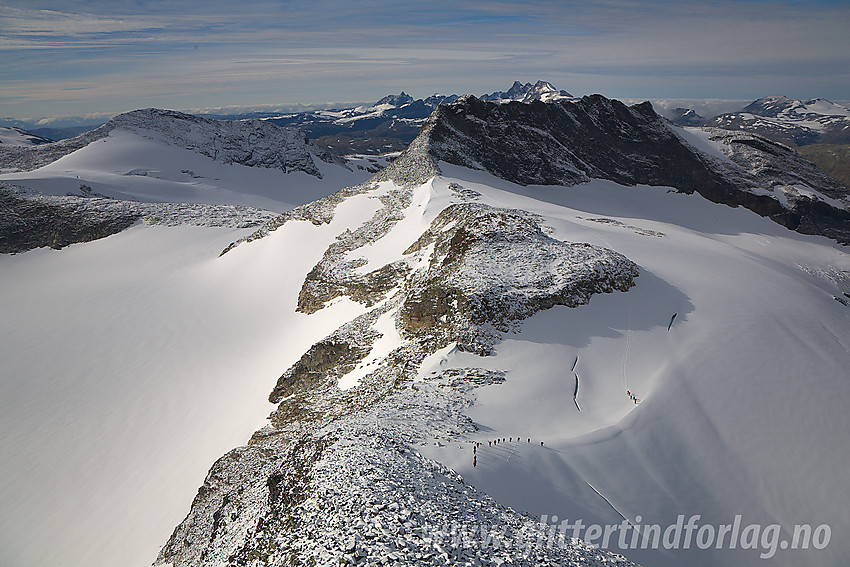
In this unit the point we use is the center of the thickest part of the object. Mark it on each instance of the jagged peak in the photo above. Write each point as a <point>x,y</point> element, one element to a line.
<point>527,92</point>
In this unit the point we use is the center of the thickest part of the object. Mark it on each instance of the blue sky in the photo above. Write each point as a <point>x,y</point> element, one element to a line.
<point>84,56</point>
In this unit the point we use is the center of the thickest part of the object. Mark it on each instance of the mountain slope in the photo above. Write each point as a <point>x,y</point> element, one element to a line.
<point>452,355</point>
<point>594,348</point>
<point>17,137</point>
<point>572,141</point>
<point>834,159</point>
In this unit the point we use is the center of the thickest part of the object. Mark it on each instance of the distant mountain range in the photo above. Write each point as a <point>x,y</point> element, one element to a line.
<point>790,121</point>
<point>386,126</point>
<point>394,121</point>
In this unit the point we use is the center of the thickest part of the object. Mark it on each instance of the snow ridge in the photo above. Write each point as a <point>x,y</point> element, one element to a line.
<point>254,143</point>
<point>19,137</point>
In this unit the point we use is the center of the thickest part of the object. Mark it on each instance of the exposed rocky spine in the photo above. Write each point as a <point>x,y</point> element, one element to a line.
<point>490,268</point>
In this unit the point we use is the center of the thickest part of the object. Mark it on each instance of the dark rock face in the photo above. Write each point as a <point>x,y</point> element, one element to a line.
<point>329,356</point>
<point>27,224</point>
<point>565,142</point>
<point>779,170</point>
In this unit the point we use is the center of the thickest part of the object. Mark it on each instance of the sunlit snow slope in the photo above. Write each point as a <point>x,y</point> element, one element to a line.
<point>131,363</point>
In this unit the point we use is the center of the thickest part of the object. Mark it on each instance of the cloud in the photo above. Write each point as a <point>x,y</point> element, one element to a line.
<point>229,53</point>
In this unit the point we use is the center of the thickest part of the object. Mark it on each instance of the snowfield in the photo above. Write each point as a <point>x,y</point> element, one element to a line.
<point>716,386</point>
<point>130,364</point>
<point>740,402</point>
<point>127,165</point>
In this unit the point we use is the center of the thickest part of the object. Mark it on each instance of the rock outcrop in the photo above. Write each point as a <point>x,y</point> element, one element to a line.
<point>30,220</point>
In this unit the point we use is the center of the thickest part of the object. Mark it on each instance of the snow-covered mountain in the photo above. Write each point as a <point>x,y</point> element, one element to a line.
<point>541,90</point>
<point>569,309</point>
<point>790,120</point>
<point>157,155</point>
<point>686,117</point>
<point>19,137</point>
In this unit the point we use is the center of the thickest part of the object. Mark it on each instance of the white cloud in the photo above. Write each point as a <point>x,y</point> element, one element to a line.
<point>226,54</point>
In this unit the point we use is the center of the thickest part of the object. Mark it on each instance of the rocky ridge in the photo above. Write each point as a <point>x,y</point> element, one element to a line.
<point>569,142</point>
<point>30,220</point>
<point>335,478</point>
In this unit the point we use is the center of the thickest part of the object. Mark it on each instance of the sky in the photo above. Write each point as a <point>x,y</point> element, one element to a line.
<point>78,57</point>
